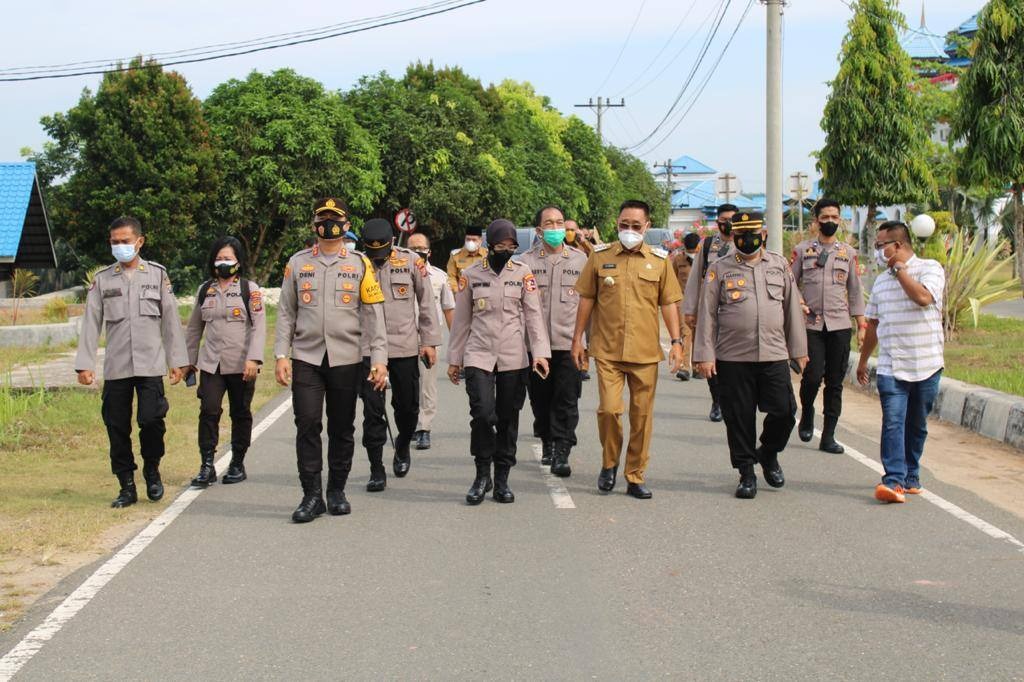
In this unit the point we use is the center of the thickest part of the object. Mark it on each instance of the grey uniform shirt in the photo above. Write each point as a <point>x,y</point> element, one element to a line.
<point>495,315</point>
<point>749,312</point>
<point>328,304</point>
<point>232,334</point>
<point>556,275</point>
<point>144,334</point>
<point>694,284</point>
<point>409,311</point>
<point>833,292</point>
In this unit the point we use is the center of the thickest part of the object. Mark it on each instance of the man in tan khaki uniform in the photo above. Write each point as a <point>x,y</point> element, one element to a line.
<point>750,325</point>
<point>133,299</point>
<point>682,263</point>
<point>330,301</point>
<point>470,253</point>
<point>622,287</point>
<point>497,312</point>
<point>555,399</point>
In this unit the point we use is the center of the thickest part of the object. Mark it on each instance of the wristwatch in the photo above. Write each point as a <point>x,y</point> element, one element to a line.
<point>281,357</point>
<point>675,341</point>
<point>895,269</point>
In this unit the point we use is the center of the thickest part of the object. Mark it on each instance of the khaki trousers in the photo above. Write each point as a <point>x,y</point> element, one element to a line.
<point>642,379</point>
<point>428,397</point>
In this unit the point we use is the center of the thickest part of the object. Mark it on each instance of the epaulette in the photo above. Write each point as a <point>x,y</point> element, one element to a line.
<point>601,247</point>
<point>514,263</point>
<point>109,267</point>
<point>155,264</point>
<point>659,252</point>
<point>455,251</point>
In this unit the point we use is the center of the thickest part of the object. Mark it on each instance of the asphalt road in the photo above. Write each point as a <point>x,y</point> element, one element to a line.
<point>814,580</point>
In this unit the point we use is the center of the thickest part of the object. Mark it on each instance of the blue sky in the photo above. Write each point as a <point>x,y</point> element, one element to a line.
<point>566,48</point>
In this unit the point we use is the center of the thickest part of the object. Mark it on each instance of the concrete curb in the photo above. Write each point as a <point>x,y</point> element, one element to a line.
<point>41,334</point>
<point>990,413</point>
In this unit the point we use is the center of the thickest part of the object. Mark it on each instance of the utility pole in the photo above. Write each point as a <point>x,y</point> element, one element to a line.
<point>668,166</point>
<point>798,189</point>
<point>727,187</point>
<point>599,108</point>
<point>773,127</point>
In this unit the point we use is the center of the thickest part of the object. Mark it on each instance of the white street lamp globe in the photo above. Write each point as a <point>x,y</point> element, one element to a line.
<point>923,226</point>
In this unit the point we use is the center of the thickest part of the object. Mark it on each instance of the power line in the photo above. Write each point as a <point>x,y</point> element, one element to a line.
<point>622,50</point>
<point>252,50</point>
<point>664,47</point>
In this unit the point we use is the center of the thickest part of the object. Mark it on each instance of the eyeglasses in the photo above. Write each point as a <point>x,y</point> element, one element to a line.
<point>882,245</point>
<point>636,227</point>
<point>503,249</point>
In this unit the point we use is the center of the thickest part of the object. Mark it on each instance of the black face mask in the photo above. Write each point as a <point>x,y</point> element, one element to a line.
<point>331,229</point>
<point>828,229</point>
<point>226,270</point>
<point>748,244</point>
<point>725,227</point>
<point>497,260</point>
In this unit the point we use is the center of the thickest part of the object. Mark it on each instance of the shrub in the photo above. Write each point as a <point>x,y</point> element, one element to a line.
<point>972,280</point>
<point>56,310</point>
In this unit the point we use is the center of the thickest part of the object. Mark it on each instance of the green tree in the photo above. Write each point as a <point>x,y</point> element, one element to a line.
<point>286,141</point>
<point>592,172</point>
<point>876,142</point>
<point>634,182</point>
<point>990,116</point>
<point>138,146</point>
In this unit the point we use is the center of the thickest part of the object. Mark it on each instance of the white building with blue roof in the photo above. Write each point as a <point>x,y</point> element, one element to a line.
<point>25,240</point>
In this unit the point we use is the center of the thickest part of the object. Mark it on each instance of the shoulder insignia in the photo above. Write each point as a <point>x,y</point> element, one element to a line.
<point>659,252</point>
<point>601,247</point>
<point>421,265</point>
<point>512,264</point>
<point>455,251</point>
<point>288,271</point>
<point>530,282</point>
<point>463,282</point>
<point>711,275</point>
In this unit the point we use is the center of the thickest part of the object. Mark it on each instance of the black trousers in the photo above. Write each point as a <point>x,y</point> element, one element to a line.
<point>117,417</point>
<point>714,390</point>
<point>745,388</point>
<point>495,399</point>
<point>555,401</point>
<point>404,374</point>
<point>311,385</point>
<point>829,353</point>
<point>211,396</point>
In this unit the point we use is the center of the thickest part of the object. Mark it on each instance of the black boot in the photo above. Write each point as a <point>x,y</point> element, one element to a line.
<point>828,437</point>
<point>547,450</point>
<point>236,469</point>
<point>127,495</point>
<point>154,484</point>
<point>806,427</point>
<point>207,474</point>
<point>773,475</point>
<point>402,460</point>
<point>747,488</point>
<point>481,484</point>
<point>337,503</point>
<point>716,413</point>
<point>502,493</point>
<point>312,504</point>
<point>560,460</point>
<point>423,440</point>
<point>606,481</point>
<point>378,476</point>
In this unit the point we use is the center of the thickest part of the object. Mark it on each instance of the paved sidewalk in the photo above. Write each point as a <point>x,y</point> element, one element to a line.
<point>57,373</point>
<point>1014,309</point>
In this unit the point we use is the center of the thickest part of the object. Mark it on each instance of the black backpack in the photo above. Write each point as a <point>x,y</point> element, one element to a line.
<point>242,282</point>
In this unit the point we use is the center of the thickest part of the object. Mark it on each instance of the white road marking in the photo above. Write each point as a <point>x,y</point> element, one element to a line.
<point>17,657</point>
<point>559,495</point>
<point>939,501</point>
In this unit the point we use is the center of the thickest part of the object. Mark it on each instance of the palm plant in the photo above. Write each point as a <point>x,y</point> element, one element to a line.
<point>972,280</point>
<point>24,283</point>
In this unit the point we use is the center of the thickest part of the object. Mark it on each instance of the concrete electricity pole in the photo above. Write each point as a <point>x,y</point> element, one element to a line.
<point>798,189</point>
<point>773,128</point>
<point>727,187</point>
<point>599,109</point>
<point>668,174</point>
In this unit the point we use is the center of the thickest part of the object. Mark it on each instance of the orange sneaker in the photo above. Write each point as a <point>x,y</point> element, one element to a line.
<point>884,493</point>
<point>913,490</point>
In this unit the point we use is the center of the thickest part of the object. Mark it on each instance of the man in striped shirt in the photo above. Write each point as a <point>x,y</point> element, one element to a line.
<point>905,322</point>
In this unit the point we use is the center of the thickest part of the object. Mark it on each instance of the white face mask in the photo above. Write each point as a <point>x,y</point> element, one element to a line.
<point>349,245</point>
<point>472,245</point>
<point>630,239</point>
<point>880,258</point>
<point>124,253</point>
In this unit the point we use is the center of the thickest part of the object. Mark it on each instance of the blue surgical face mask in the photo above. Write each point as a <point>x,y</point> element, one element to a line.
<point>124,253</point>
<point>554,237</point>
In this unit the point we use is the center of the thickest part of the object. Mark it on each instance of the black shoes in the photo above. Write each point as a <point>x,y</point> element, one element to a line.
<point>828,437</point>
<point>639,491</point>
<point>402,461</point>
<point>128,495</point>
<point>481,484</point>
<point>683,375</point>
<point>747,488</point>
<point>337,505</point>
<point>772,470</point>
<point>502,493</point>
<point>560,460</point>
<point>236,470</point>
<point>546,453</point>
<point>606,481</point>
<point>154,484</point>
<point>207,474</point>
<point>716,413</point>
<point>312,506</point>
<point>378,478</point>
<point>806,427</point>
<point>422,440</point>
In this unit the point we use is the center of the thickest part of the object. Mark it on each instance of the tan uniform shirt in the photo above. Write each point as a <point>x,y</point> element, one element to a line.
<point>495,315</point>
<point>833,292</point>
<point>628,288</point>
<point>695,282</point>
<point>750,312</point>
<point>556,277</point>
<point>682,266</point>
<point>144,334</point>
<point>459,261</point>
<point>409,312</point>
<point>328,304</point>
<point>232,335</point>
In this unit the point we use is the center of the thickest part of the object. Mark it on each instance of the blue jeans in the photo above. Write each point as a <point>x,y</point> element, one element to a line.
<point>905,409</point>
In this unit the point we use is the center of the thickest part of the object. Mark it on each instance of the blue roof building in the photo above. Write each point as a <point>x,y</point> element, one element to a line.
<point>25,240</point>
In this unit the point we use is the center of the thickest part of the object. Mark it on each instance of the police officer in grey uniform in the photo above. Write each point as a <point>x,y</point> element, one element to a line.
<point>133,299</point>
<point>497,310</point>
<point>750,326</point>
<point>826,272</point>
<point>229,313</point>
<point>555,399</point>
<point>330,301</point>
<point>711,249</point>
<point>413,335</point>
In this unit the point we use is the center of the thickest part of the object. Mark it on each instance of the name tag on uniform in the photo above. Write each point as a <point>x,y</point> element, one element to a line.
<point>608,266</point>
<point>111,293</point>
